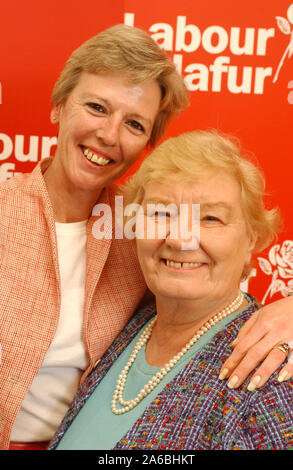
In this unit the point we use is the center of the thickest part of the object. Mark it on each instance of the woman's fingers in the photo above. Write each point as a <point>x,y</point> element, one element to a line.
<point>242,361</point>
<point>268,327</point>
<point>246,339</point>
<point>286,373</point>
<point>271,363</point>
<point>244,330</point>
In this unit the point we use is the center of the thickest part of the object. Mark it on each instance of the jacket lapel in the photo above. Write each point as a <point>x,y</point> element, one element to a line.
<point>97,250</point>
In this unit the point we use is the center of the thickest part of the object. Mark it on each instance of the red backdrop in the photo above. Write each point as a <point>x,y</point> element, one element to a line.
<point>237,61</point>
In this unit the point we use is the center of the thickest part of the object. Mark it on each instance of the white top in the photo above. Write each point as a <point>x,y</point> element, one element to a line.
<point>55,385</point>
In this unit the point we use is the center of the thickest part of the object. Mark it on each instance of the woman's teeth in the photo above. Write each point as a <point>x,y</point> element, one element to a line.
<point>94,158</point>
<point>175,264</point>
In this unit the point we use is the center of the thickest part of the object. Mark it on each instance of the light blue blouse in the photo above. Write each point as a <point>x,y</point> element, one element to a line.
<point>96,427</point>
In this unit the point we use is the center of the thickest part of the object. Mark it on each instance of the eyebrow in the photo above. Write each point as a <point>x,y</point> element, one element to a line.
<point>215,205</point>
<point>158,201</point>
<point>204,205</point>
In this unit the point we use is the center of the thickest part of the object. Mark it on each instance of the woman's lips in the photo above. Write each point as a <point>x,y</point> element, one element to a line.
<point>94,158</point>
<point>181,265</point>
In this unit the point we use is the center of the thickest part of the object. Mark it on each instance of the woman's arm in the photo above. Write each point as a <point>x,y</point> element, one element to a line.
<point>268,327</point>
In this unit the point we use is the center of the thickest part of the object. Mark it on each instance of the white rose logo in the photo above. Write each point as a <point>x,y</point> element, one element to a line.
<point>285,25</point>
<point>279,265</point>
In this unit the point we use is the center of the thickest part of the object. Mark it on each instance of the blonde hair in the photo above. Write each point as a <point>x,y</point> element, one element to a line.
<point>188,156</point>
<point>135,56</point>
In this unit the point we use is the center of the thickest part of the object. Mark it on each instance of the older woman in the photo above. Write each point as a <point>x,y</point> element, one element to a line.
<point>158,386</point>
<point>64,294</point>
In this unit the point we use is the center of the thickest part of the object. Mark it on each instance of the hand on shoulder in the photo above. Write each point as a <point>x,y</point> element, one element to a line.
<point>270,326</point>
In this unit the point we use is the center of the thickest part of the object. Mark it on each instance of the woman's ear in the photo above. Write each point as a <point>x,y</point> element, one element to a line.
<point>54,115</point>
<point>251,247</point>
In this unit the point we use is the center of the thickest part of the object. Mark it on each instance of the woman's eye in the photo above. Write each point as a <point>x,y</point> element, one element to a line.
<point>210,218</point>
<point>160,215</point>
<point>136,125</point>
<point>96,107</point>
<point>156,214</point>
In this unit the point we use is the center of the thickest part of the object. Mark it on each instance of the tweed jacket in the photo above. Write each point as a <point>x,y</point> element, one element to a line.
<point>196,410</point>
<point>30,288</point>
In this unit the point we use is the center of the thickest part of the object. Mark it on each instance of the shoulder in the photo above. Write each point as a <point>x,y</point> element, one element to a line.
<point>267,412</point>
<point>26,182</point>
<point>13,196</point>
<point>13,183</point>
<point>253,305</point>
<point>24,197</point>
<point>113,192</point>
<point>223,339</point>
<point>115,189</point>
<point>267,422</point>
<point>243,315</point>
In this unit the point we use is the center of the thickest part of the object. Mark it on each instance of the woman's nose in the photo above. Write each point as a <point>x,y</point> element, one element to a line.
<point>184,233</point>
<point>108,131</point>
<point>180,243</point>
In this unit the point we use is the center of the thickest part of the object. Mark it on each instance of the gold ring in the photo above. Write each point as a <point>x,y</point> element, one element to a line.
<point>285,348</point>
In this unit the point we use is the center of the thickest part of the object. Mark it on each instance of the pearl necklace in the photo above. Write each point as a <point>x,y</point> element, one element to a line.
<point>156,379</point>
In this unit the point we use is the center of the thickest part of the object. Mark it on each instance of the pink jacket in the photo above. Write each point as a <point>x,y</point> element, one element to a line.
<point>30,288</point>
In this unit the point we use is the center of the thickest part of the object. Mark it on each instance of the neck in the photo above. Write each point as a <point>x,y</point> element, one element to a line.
<point>69,203</point>
<point>176,323</point>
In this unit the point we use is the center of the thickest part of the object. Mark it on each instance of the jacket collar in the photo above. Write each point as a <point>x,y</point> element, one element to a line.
<point>97,249</point>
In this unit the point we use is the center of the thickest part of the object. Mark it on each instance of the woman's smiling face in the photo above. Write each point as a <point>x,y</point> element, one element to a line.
<point>104,125</point>
<point>211,270</point>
